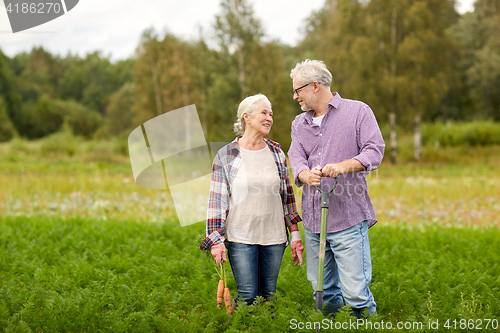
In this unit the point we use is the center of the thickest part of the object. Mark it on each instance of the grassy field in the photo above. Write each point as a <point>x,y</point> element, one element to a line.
<point>85,275</point>
<point>83,249</point>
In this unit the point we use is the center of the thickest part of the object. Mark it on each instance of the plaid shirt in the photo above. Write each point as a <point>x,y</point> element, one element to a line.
<point>224,169</point>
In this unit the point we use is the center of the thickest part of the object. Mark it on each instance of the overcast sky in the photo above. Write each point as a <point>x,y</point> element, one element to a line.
<point>115,27</point>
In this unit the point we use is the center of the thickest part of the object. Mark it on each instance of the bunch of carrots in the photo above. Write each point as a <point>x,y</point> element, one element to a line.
<point>223,290</point>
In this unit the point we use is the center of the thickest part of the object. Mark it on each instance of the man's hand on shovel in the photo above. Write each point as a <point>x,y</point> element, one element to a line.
<point>332,170</point>
<point>311,177</point>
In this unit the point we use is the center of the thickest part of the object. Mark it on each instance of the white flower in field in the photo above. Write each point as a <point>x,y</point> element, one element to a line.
<point>422,213</point>
<point>126,180</point>
<point>429,181</point>
<point>392,212</point>
<point>100,204</point>
<point>410,180</point>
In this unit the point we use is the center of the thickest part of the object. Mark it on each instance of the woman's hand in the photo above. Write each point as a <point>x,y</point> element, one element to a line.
<point>219,253</point>
<point>297,248</point>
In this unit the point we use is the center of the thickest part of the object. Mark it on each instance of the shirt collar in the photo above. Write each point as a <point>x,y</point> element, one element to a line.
<point>333,104</point>
<point>272,145</point>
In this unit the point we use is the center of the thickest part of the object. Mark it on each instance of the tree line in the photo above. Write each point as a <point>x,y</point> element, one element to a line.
<point>412,61</point>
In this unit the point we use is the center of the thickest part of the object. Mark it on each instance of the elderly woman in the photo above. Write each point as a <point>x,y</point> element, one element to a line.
<point>252,204</point>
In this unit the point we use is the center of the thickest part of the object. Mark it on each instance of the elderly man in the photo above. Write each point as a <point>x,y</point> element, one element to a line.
<point>335,137</point>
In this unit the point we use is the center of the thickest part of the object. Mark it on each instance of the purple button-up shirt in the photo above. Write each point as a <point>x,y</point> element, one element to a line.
<point>348,130</point>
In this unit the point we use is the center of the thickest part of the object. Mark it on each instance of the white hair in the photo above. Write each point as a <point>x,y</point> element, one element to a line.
<point>247,106</point>
<point>312,70</point>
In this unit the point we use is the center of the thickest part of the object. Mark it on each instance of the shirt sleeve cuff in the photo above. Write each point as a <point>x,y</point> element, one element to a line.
<point>292,218</point>
<point>214,238</point>
<point>298,182</point>
<point>365,161</point>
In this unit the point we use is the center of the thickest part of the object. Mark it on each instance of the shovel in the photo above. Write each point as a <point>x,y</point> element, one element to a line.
<point>325,200</point>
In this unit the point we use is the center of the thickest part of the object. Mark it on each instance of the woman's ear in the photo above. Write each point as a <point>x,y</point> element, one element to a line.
<point>245,117</point>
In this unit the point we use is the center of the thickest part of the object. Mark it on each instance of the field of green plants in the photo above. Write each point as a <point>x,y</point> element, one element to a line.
<point>83,249</point>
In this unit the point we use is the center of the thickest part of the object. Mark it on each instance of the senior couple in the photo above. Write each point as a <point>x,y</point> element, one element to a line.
<point>334,137</point>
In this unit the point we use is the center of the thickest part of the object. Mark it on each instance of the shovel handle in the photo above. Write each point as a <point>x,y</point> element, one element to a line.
<point>325,195</point>
<point>325,200</point>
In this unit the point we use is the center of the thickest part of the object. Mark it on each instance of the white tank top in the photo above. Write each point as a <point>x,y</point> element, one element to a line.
<point>255,206</point>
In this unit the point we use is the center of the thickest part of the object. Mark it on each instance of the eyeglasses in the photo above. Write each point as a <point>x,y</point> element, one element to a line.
<point>296,91</point>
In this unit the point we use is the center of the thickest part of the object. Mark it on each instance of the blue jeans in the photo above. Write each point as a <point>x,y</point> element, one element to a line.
<point>347,257</point>
<point>255,269</point>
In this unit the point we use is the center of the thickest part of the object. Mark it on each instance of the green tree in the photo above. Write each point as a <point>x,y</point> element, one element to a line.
<point>7,130</point>
<point>483,76</point>
<point>247,64</point>
<point>80,119</point>
<point>42,69</point>
<point>169,74</point>
<point>91,80</point>
<point>237,31</point>
<point>426,54</point>
<point>162,77</point>
<point>38,73</point>
<point>394,55</point>
<point>39,118</point>
<point>11,98</point>
<point>270,76</point>
<point>48,118</point>
<point>119,115</point>
<point>476,78</point>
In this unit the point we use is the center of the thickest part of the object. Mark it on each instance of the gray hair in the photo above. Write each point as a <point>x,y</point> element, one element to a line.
<point>247,106</point>
<point>312,70</point>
